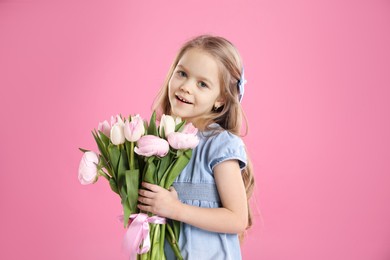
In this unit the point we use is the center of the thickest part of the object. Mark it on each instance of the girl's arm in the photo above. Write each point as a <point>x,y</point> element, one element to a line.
<point>232,217</point>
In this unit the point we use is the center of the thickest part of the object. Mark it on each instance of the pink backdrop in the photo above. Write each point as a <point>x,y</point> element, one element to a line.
<point>317,101</point>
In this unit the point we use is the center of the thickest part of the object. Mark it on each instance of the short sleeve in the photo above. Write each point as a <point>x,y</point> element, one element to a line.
<point>226,146</point>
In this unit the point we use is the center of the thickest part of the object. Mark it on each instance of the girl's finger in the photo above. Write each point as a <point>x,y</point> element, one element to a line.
<point>144,200</point>
<point>145,193</point>
<point>145,208</point>
<point>150,186</point>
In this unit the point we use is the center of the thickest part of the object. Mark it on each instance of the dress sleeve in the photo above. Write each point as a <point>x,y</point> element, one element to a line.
<point>227,146</point>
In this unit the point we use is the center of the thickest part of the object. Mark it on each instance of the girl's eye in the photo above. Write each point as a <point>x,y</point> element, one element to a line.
<point>181,73</point>
<point>202,84</point>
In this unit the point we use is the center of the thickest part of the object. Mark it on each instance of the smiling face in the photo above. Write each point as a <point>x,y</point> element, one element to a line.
<point>194,87</point>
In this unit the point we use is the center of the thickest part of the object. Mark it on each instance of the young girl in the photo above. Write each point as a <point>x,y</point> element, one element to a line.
<point>205,86</point>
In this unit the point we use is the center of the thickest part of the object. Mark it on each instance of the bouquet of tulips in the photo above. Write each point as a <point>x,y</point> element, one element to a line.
<point>133,151</point>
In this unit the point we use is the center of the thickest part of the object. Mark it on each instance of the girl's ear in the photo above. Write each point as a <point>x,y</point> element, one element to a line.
<point>219,102</point>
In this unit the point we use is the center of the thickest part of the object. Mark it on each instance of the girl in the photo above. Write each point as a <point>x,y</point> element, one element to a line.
<point>210,197</point>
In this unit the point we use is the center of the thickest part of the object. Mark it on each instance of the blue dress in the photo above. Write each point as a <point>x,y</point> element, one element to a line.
<point>196,186</point>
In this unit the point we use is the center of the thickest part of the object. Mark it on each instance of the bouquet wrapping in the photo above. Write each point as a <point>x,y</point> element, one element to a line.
<point>132,151</point>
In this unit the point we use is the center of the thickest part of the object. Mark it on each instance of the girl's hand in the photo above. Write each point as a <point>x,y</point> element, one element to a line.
<point>159,201</point>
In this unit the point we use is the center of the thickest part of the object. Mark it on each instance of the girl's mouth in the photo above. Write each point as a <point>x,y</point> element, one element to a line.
<point>183,100</point>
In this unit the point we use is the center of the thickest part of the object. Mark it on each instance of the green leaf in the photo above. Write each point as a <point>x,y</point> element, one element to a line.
<point>126,211</point>
<point>132,186</point>
<point>177,168</point>
<point>105,164</point>
<point>156,173</point>
<point>165,163</point>
<point>113,186</point>
<point>140,163</point>
<point>84,150</point>
<point>150,170</point>
<point>146,126</point>
<point>166,173</point>
<point>152,130</point>
<point>165,166</point>
<point>180,126</point>
<point>114,155</point>
<point>123,164</point>
<point>162,132</point>
<point>122,168</point>
<point>101,146</point>
<point>188,153</point>
<point>105,139</point>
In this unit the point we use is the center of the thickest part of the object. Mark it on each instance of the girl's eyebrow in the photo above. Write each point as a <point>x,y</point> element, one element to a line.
<point>181,66</point>
<point>201,78</point>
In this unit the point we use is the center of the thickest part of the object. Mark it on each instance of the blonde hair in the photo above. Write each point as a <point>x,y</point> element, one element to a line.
<point>230,115</point>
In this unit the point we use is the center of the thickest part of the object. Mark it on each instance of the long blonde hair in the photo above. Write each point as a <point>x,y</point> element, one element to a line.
<point>230,115</point>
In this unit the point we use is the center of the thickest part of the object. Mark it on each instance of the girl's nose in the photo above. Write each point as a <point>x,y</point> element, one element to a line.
<point>186,87</point>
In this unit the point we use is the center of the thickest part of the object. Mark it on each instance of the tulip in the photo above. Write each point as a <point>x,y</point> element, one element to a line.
<point>117,134</point>
<point>178,120</point>
<point>116,119</point>
<point>149,145</point>
<point>183,141</point>
<point>135,129</point>
<point>105,128</point>
<point>190,129</point>
<point>88,169</point>
<point>168,124</point>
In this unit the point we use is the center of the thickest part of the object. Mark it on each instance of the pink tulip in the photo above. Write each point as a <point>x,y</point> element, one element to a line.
<point>88,169</point>
<point>105,128</point>
<point>149,145</point>
<point>134,129</point>
<point>183,141</point>
<point>116,119</point>
<point>190,129</point>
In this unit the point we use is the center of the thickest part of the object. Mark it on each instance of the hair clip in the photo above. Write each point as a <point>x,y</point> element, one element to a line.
<point>240,85</point>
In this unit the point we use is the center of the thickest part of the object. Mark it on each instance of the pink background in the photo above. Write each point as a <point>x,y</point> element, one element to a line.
<point>317,101</point>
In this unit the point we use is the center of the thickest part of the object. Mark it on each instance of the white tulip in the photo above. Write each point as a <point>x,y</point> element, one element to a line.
<point>117,134</point>
<point>88,169</point>
<point>168,124</point>
<point>178,120</point>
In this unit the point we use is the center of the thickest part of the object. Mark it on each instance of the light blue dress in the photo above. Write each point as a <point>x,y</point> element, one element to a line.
<point>196,186</point>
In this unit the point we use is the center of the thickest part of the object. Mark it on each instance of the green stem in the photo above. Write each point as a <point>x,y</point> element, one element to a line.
<point>105,175</point>
<point>155,253</point>
<point>132,156</point>
<point>173,242</point>
<point>162,238</point>
<point>144,256</point>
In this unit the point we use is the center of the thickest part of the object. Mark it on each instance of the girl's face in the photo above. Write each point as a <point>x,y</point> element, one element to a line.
<point>194,87</point>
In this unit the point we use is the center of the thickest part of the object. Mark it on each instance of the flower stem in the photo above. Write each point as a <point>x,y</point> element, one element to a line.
<point>105,175</point>
<point>173,242</point>
<point>162,238</point>
<point>132,156</point>
<point>155,247</point>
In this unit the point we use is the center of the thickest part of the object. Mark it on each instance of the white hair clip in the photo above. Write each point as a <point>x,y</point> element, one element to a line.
<point>240,84</point>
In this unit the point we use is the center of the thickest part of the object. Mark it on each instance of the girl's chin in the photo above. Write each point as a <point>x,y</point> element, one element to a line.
<point>183,117</point>
<point>179,111</point>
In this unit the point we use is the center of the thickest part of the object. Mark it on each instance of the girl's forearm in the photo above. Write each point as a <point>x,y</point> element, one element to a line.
<point>220,220</point>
